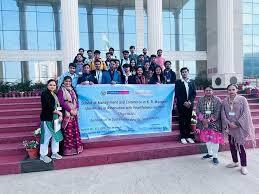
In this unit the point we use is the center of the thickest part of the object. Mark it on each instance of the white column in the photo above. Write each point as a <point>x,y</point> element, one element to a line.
<point>155,25</point>
<point>226,70</point>
<point>139,8</point>
<point>225,14</point>
<point>70,31</point>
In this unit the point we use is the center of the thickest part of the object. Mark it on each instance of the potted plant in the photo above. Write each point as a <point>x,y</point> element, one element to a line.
<point>193,124</point>
<point>37,133</point>
<point>31,147</point>
<point>193,121</point>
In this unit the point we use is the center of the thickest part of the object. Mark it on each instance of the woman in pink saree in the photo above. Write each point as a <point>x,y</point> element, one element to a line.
<point>209,123</point>
<point>68,100</point>
<point>237,123</point>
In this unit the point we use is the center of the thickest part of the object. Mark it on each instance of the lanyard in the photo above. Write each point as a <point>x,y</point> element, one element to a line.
<point>98,75</point>
<point>112,75</point>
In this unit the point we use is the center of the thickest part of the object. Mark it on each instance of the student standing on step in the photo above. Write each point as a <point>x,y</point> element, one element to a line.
<point>237,123</point>
<point>68,100</point>
<point>185,93</point>
<point>209,123</point>
<point>51,117</point>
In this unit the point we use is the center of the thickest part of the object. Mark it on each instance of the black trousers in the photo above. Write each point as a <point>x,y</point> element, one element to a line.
<point>242,152</point>
<point>185,116</point>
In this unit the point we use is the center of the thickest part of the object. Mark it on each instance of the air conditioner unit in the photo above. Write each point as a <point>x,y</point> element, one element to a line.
<point>223,80</point>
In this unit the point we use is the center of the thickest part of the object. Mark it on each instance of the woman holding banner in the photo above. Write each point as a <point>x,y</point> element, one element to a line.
<point>139,78</point>
<point>68,100</point>
<point>158,76</point>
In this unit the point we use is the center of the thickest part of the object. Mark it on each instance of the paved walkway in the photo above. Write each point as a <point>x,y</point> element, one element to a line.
<point>179,175</point>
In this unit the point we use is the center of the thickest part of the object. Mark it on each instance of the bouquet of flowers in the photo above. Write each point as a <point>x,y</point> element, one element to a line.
<point>31,144</point>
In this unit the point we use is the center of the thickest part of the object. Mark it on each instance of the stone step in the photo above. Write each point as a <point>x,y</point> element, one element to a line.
<point>19,127</point>
<point>22,111</point>
<point>26,105</point>
<point>15,137</point>
<point>19,119</point>
<point>20,100</point>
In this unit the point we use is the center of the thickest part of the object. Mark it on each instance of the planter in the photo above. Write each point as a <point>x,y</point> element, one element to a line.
<point>33,153</point>
<point>193,127</point>
<point>248,91</point>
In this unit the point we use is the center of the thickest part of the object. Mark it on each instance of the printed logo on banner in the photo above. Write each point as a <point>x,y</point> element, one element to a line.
<point>119,92</point>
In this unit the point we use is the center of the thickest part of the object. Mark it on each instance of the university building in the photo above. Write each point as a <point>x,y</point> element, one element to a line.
<point>217,39</point>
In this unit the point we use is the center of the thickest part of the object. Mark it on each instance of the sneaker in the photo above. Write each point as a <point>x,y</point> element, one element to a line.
<point>45,159</point>
<point>190,140</point>
<point>183,141</point>
<point>56,156</point>
<point>207,156</point>
<point>215,161</point>
<point>244,170</point>
<point>232,165</point>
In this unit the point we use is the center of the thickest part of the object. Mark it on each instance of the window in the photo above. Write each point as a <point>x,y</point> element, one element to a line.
<point>30,25</point>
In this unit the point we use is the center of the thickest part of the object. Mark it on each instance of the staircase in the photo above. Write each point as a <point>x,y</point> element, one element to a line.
<point>20,116</point>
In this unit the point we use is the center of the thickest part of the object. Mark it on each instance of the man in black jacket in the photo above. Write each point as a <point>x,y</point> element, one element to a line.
<point>170,76</point>
<point>185,93</point>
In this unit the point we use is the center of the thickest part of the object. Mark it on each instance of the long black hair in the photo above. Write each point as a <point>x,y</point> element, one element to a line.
<point>162,77</point>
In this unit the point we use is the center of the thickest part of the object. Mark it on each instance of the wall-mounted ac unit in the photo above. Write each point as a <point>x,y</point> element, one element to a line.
<point>223,80</point>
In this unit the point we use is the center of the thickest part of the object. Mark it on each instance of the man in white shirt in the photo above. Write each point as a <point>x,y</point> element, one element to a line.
<point>97,73</point>
<point>125,59</point>
<point>185,93</point>
<point>71,73</point>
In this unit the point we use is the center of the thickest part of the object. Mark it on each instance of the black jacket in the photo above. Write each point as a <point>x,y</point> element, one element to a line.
<point>87,77</point>
<point>47,105</point>
<point>154,80</point>
<point>180,92</point>
<point>170,76</point>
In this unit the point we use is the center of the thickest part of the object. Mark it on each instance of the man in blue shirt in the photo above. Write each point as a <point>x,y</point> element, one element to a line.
<point>71,73</point>
<point>112,76</point>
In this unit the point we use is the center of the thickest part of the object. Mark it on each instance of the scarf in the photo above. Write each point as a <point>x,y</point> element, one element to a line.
<point>243,117</point>
<point>70,99</point>
<point>140,80</point>
<point>208,105</point>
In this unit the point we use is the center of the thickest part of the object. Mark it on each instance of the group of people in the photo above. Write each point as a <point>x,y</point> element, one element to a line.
<point>131,69</point>
<point>216,120</point>
<point>59,120</point>
<point>59,116</point>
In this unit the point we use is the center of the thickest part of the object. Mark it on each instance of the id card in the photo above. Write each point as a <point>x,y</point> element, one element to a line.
<point>59,108</point>
<point>231,114</point>
<point>168,80</point>
<point>208,112</point>
<point>57,125</point>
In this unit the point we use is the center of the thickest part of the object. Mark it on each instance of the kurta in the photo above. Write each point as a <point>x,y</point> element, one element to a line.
<point>209,109</point>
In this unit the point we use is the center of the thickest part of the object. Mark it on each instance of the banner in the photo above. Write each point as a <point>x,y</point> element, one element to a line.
<point>124,109</point>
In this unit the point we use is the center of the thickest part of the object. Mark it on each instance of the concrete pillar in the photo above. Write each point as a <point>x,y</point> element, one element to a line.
<point>139,8</point>
<point>155,25</point>
<point>225,12</point>
<point>201,36</point>
<point>121,29</point>
<point>56,7</point>
<point>90,21</point>
<point>23,41</point>
<point>1,71</point>
<point>224,53</point>
<point>70,31</point>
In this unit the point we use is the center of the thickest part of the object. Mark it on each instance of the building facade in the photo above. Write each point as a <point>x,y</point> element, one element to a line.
<point>38,38</point>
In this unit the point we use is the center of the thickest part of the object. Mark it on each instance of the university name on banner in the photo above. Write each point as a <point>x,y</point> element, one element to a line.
<point>124,109</point>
